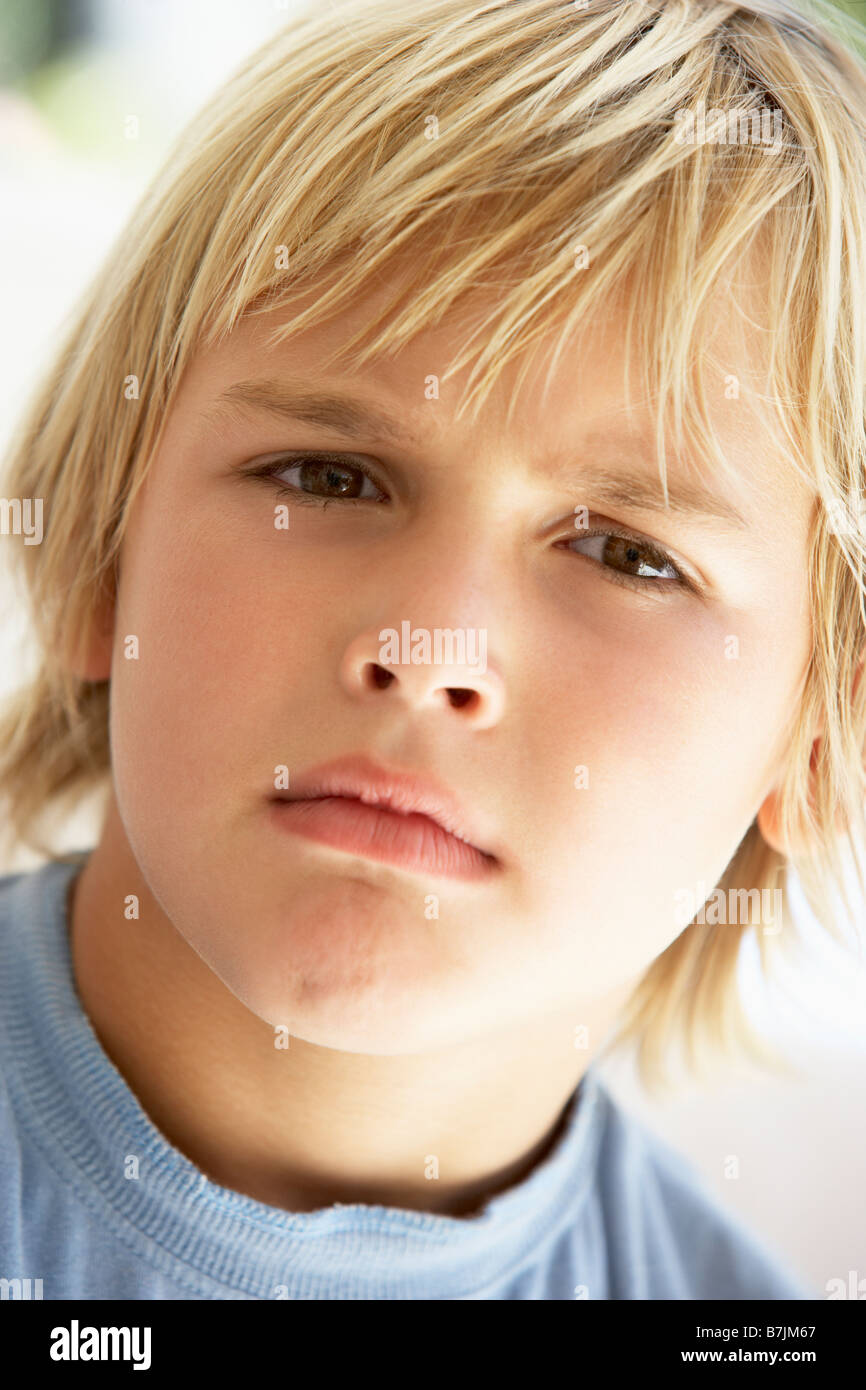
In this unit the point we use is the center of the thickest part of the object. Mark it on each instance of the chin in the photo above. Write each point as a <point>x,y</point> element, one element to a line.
<point>386,1018</point>
<point>350,969</point>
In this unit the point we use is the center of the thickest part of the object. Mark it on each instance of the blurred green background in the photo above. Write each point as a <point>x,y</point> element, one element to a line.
<point>86,65</point>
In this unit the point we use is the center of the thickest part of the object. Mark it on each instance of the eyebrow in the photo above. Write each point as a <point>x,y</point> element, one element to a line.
<point>637,493</point>
<point>352,417</point>
<point>346,414</point>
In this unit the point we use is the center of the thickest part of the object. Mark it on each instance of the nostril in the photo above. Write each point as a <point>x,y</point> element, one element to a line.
<point>459,698</point>
<point>378,677</point>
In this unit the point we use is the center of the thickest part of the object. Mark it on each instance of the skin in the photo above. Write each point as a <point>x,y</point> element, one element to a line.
<point>412,1037</point>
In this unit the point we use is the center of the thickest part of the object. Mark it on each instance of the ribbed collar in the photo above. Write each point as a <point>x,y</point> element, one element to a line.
<point>81,1113</point>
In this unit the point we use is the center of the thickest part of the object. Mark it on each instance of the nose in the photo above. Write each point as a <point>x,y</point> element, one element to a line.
<point>425,669</point>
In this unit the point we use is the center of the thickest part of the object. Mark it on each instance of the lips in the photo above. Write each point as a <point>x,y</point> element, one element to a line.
<point>388,814</point>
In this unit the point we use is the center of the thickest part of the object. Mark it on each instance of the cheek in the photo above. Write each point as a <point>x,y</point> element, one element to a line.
<point>227,637</point>
<point>655,747</point>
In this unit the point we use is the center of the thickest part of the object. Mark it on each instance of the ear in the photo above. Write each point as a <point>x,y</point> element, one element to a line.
<point>768,816</point>
<point>90,655</point>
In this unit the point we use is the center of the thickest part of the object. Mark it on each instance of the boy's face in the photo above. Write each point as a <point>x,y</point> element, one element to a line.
<point>254,642</point>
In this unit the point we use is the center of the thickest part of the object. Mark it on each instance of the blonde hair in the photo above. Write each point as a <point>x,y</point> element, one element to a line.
<point>532,146</point>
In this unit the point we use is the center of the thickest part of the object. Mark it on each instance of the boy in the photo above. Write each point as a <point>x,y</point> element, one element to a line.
<point>421,721</point>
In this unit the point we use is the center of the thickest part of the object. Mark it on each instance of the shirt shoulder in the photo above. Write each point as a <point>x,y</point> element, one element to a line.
<point>24,914</point>
<point>668,1235</point>
<point>11,1155</point>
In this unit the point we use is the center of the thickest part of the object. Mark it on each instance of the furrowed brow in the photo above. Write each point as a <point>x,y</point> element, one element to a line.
<point>354,418</point>
<point>638,493</point>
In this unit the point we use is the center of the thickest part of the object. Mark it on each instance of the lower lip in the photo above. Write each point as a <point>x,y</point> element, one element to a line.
<point>412,842</point>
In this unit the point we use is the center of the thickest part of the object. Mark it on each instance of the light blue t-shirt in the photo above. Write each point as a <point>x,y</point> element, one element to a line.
<point>609,1213</point>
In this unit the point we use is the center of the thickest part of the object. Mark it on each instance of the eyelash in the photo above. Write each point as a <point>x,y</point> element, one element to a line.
<point>658,557</point>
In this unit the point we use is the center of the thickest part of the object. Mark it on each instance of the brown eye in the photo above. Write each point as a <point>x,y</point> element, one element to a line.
<point>629,559</point>
<point>632,556</point>
<point>333,479</point>
<point>320,478</point>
